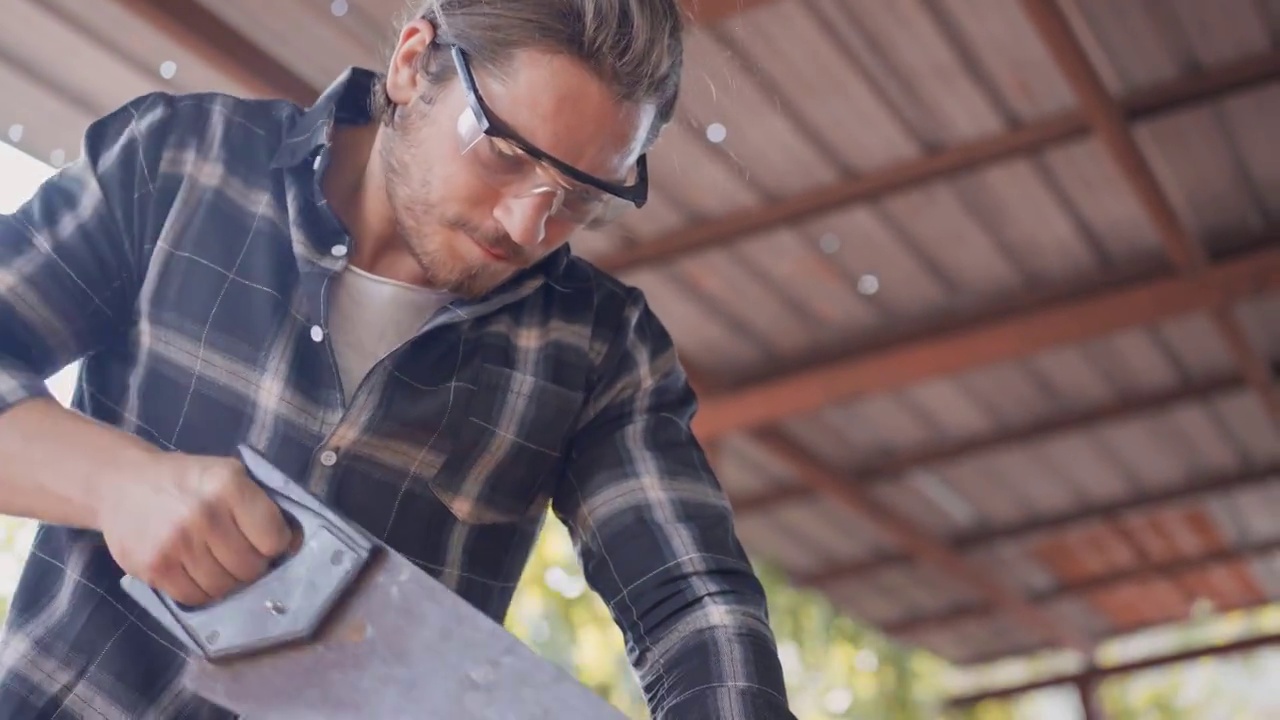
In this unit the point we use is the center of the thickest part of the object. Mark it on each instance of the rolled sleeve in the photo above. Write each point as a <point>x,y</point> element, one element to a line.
<point>71,257</point>
<point>656,540</point>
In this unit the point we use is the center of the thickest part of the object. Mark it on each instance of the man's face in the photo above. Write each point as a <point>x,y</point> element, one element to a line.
<point>469,221</point>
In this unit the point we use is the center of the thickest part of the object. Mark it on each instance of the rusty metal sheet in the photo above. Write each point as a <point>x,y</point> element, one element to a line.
<point>402,645</point>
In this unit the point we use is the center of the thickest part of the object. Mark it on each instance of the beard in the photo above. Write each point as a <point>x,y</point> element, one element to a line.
<point>434,238</point>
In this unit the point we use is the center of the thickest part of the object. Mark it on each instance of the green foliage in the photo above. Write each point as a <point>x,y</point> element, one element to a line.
<point>835,668</point>
<point>15,538</point>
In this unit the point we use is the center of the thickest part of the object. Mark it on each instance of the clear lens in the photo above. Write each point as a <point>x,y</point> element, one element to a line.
<point>509,169</point>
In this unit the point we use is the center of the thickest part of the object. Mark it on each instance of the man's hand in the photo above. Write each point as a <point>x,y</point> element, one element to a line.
<point>193,527</point>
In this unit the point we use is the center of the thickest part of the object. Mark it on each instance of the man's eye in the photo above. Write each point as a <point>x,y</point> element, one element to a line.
<point>505,153</point>
<point>580,196</point>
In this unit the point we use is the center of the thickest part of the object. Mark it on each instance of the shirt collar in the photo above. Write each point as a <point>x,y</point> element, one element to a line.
<point>348,100</point>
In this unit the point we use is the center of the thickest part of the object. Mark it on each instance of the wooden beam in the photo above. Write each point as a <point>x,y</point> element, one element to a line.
<point>1090,703</point>
<point>892,468</point>
<point>1253,365</point>
<point>1017,336</point>
<point>1107,119</point>
<point>194,26</point>
<point>1098,673</point>
<point>918,543</point>
<point>1102,583</point>
<point>1198,490</point>
<point>740,225</point>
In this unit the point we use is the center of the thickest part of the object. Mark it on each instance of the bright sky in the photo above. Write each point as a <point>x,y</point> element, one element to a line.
<point>20,175</point>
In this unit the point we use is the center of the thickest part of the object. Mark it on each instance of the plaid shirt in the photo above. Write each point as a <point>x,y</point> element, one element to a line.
<point>185,257</point>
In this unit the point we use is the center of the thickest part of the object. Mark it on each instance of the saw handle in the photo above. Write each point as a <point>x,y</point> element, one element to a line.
<point>292,599</point>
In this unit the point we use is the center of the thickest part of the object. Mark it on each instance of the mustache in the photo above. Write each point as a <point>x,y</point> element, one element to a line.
<point>496,240</point>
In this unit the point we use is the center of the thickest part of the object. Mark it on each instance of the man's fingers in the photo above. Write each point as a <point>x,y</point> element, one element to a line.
<point>183,590</point>
<point>209,574</point>
<point>234,551</point>
<point>262,522</point>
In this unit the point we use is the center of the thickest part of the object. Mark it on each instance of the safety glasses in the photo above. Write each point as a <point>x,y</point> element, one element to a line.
<point>519,168</point>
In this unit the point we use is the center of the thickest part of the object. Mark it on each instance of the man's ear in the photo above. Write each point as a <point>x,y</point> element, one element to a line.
<point>404,80</point>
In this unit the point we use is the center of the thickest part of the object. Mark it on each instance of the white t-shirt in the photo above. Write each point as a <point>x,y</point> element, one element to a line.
<point>369,316</point>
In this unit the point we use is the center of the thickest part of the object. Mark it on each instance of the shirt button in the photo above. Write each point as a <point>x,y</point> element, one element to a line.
<point>338,250</point>
<point>317,333</point>
<point>328,458</point>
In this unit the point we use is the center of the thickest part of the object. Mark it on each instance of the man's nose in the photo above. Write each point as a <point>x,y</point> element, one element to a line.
<point>525,218</point>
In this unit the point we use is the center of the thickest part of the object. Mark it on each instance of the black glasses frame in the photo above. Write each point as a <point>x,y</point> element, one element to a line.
<point>637,193</point>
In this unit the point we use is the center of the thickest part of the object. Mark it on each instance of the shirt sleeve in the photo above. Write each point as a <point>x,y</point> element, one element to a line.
<point>655,536</point>
<point>71,257</point>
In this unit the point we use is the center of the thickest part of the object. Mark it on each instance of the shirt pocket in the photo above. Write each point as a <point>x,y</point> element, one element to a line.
<point>506,448</point>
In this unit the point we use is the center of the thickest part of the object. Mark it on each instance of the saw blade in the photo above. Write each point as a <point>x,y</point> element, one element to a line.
<point>400,645</point>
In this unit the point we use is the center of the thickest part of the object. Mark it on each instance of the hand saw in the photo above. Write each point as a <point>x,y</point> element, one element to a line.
<point>345,627</point>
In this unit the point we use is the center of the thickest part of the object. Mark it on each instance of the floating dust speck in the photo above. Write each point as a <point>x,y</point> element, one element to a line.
<point>868,284</point>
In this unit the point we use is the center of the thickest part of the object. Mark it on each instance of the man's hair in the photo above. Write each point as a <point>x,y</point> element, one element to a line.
<point>634,46</point>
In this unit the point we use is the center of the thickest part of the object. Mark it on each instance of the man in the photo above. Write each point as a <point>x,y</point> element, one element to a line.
<point>375,292</point>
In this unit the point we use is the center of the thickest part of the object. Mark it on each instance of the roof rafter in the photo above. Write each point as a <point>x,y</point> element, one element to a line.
<point>739,226</point>
<point>892,468</point>
<point>223,47</point>
<point>1099,584</point>
<point>919,543</point>
<point>1017,335</point>
<point>1092,675</point>
<point>1107,119</point>
<point>1196,490</point>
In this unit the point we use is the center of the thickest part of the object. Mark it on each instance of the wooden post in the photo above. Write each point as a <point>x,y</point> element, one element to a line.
<point>1087,686</point>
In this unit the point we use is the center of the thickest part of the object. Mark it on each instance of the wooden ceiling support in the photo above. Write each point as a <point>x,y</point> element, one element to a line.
<point>1101,584</point>
<point>1192,491</point>
<point>1108,122</point>
<point>1189,256</point>
<point>223,47</point>
<point>1098,673</point>
<point>1017,335</point>
<point>893,468</point>
<point>916,542</point>
<point>742,225</point>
